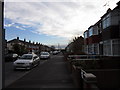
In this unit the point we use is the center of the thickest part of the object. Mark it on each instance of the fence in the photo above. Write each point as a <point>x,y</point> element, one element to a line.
<point>106,76</point>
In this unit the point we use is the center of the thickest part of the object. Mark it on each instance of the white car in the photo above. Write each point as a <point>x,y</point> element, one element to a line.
<point>26,61</point>
<point>44,55</point>
<point>55,52</point>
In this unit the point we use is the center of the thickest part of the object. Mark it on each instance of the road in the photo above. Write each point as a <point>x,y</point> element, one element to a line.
<point>11,75</point>
<point>52,73</point>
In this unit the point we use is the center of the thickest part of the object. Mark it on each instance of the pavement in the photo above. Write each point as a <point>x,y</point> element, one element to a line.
<point>52,74</point>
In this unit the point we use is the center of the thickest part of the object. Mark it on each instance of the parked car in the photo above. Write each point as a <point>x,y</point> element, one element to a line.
<point>44,55</point>
<point>26,61</point>
<point>11,57</point>
<point>55,52</point>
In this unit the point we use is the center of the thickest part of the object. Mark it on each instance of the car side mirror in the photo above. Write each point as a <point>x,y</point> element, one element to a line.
<point>33,58</point>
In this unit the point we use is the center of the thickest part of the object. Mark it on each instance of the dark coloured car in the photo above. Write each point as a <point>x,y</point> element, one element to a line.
<point>11,57</point>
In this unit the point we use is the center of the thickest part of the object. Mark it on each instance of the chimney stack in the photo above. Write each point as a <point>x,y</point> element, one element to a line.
<point>29,41</point>
<point>17,38</point>
<point>24,40</point>
<point>118,3</point>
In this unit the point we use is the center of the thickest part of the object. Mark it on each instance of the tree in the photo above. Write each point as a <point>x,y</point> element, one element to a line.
<point>16,48</point>
<point>76,46</point>
<point>19,49</point>
<point>23,49</point>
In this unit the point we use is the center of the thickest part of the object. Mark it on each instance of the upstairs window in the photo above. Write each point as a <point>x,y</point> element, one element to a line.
<point>100,28</point>
<point>86,35</point>
<point>106,21</point>
<point>95,30</point>
<point>91,31</point>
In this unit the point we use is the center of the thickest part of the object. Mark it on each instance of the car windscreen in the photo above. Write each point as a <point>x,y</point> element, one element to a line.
<point>44,53</point>
<point>26,57</point>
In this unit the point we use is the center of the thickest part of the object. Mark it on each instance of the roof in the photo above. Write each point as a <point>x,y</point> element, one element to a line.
<point>108,11</point>
<point>15,40</point>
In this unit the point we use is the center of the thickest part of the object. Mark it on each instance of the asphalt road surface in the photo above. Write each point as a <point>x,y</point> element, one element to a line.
<point>53,73</point>
<point>11,75</point>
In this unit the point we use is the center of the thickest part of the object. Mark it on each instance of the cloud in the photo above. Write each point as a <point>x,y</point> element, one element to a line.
<point>62,19</point>
<point>20,27</point>
<point>47,1</point>
<point>15,25</point>
<point>9,25</point>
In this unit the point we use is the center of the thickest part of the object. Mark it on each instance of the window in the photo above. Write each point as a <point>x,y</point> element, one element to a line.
<point>100,27</point>
<point>26,57</point>
<point>95,30</point>
<point>91,31</point>
<point>116,47</point>
<point>107,48</point>
<point>86,49</point>
<point>35,57</point>
<point>90,49</point>
<point>86,35</point>
<point>106,21</point>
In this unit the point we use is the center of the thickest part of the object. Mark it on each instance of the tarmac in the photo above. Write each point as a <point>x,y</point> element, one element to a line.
<point>52,74</point>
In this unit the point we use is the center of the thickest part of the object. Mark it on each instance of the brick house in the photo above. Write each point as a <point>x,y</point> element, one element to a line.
<point>34,47</point>
<point>103,38</point>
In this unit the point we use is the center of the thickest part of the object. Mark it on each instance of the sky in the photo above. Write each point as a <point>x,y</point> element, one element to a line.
<point>52,22</point>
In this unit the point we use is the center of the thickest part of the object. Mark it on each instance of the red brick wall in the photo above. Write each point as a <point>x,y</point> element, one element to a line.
<point>94,39</point>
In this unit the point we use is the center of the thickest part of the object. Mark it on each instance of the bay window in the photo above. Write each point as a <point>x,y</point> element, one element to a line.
<point>106,22</point>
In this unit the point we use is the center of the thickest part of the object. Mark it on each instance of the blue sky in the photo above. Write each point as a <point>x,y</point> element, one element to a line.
<point>28,34</point>
<point>52,22</point>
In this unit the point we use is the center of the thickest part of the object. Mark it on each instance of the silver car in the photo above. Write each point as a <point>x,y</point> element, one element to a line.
<point>44,55</point>
<point>26,61</point>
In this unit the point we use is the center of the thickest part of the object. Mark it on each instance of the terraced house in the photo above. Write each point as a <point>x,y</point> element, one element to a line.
<point>103,38</point>
<point>26,46</point>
